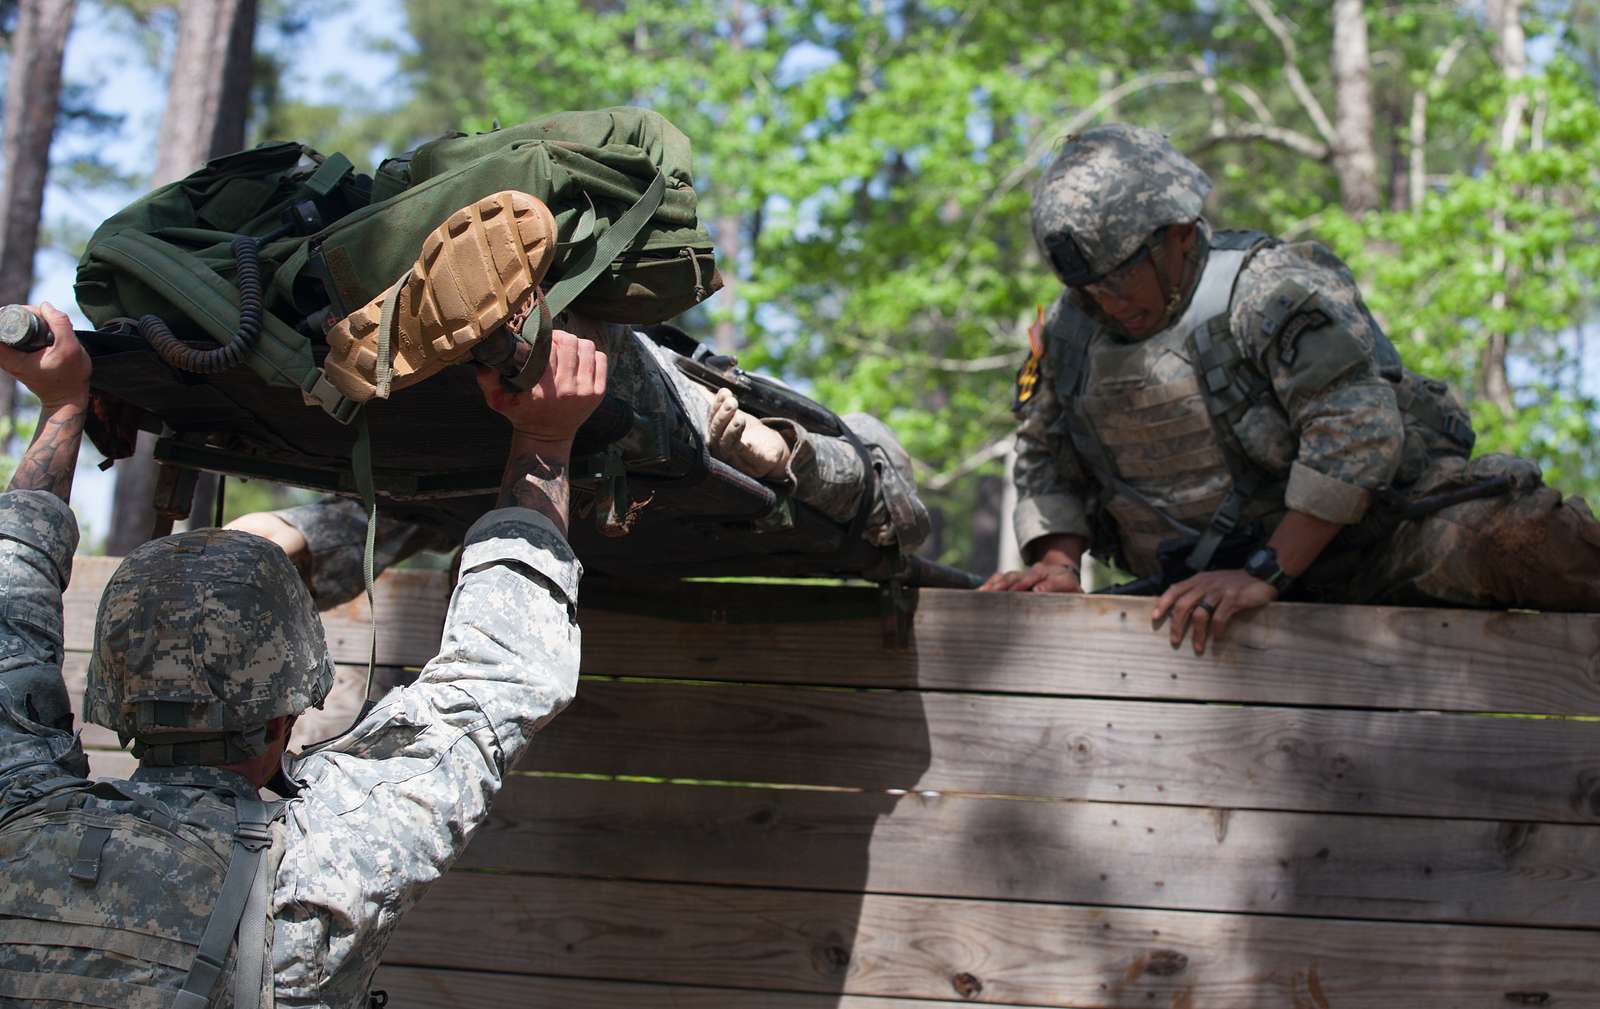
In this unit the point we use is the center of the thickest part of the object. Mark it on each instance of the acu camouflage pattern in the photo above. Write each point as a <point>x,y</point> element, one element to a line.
<point>129,936</point>
<point>210,631</point>
<point>1331,428</point>
<point>335,530</point>
<point>383,810</point>
<point>1108,188</point>
<point>1342,430</point>
<point>825,473</point>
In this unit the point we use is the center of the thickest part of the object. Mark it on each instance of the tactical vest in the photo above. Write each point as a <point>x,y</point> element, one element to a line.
<point>1159,432</point>
<point>130,894</point>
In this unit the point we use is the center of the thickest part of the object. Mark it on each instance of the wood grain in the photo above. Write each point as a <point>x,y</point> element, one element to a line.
<point>1182,858</point>
<point>1118,751</point>
<point>338,708</point>
<point>1035,954</point>
<point>1360,656</point>
<point>1455,660</point>
<point>423,988</point>
<point>410,605</point>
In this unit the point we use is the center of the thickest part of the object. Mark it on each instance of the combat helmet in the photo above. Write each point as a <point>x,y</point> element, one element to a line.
<point>201,639</point>
<point>1106,193</point>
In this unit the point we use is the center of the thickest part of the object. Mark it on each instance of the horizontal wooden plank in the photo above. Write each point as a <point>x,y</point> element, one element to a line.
<point>410,607</point>
<point>1022,953</point>
<point>337,712</point>
<point>424,988</point>
<point>1187,754</point>
<point>1176,857</point>
<point>1358,656</point>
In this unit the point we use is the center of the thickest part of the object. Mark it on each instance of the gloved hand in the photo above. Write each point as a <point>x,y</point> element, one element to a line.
<point>743,442</point>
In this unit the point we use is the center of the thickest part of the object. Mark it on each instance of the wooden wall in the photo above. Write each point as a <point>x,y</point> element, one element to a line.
<point>761,800</point>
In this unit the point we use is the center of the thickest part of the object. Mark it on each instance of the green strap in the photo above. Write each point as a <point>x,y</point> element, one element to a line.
<point>608,247</point>
<point>329,174</point>
<point>251,837</point>
<point>1231,385</point>
<point>361,463</point>
<point>384,369</point>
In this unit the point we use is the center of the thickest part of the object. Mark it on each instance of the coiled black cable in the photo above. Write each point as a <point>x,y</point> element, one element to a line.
<point>216,359</point>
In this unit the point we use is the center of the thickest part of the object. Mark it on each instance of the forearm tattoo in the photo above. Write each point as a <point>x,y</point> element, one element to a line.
<point>533,481</point>
<point>51,458</point>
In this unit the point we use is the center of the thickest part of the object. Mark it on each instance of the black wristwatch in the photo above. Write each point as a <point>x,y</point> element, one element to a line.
<point>1263,564</point>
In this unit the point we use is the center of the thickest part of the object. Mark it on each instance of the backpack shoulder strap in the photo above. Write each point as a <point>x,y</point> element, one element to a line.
<point>252,836</point>
<point>1231,382</point>
<point>608,246</point>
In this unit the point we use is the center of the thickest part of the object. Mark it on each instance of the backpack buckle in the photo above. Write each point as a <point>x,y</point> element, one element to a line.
<point>323,393</point>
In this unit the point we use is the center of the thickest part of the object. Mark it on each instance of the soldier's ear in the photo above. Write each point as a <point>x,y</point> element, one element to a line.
<point>279,728</point>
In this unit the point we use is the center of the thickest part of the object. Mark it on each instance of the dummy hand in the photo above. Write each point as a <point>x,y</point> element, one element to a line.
<point>742,441</point>
<point>1225,594</point>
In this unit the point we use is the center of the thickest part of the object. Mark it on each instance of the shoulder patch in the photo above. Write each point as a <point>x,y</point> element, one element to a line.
<point>1028,374</point>
<point>1291,309</point>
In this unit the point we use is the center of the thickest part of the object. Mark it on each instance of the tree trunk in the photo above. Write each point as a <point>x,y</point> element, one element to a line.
<point>33,92</point>
<point>1355,160</point>
<point>725,332</point>
<point>207,101</point>
<point>1505,21</point>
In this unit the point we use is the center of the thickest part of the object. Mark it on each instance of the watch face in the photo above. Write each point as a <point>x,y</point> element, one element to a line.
<point>1263,564</point>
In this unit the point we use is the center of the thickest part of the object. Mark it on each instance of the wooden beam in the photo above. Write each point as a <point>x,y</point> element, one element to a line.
<point>338,708</point>
<point>1355,656</point>
<point>1025,953</point>
<point>434,988</point>
<point>1175,857</point>
<point>1115,751</point>
<point>1358,656</point>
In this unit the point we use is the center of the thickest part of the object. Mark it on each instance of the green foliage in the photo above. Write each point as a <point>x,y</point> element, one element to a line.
<point>872,160</point>
<point>1429,275</point>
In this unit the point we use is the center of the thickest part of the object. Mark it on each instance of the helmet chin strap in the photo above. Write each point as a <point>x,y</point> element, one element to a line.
<point>1176,295</point>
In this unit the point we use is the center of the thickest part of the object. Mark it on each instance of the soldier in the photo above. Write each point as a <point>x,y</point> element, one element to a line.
<point>207,647</point>
<point>1227,387</point>
<point>327,537</point>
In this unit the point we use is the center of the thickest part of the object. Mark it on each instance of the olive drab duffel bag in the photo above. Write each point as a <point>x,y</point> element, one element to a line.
<point>272,242</point>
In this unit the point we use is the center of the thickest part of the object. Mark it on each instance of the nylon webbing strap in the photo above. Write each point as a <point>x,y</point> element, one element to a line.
<point>251,837</point>
<point>1231,386</point>
<point>361,463</point>
<point>609,246</point>
<point>384,370</point>
<point>251,953</point>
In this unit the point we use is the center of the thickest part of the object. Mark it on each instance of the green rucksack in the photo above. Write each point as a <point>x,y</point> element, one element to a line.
<point>328,239</point>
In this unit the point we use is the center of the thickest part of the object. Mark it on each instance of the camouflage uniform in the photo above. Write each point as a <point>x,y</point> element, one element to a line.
<point>380,812</point>
<point>825,473</point>
<point>1336,428</point>
<point>335,530</point>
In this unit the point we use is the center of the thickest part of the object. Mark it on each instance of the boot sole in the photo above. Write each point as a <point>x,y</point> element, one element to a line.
<point>476,270</point>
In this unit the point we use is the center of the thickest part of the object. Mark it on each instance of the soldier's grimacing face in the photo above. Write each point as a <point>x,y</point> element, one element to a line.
<point>1132,295</point>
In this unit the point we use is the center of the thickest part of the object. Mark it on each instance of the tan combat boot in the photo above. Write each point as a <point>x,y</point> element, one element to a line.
<point>478,270</point>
